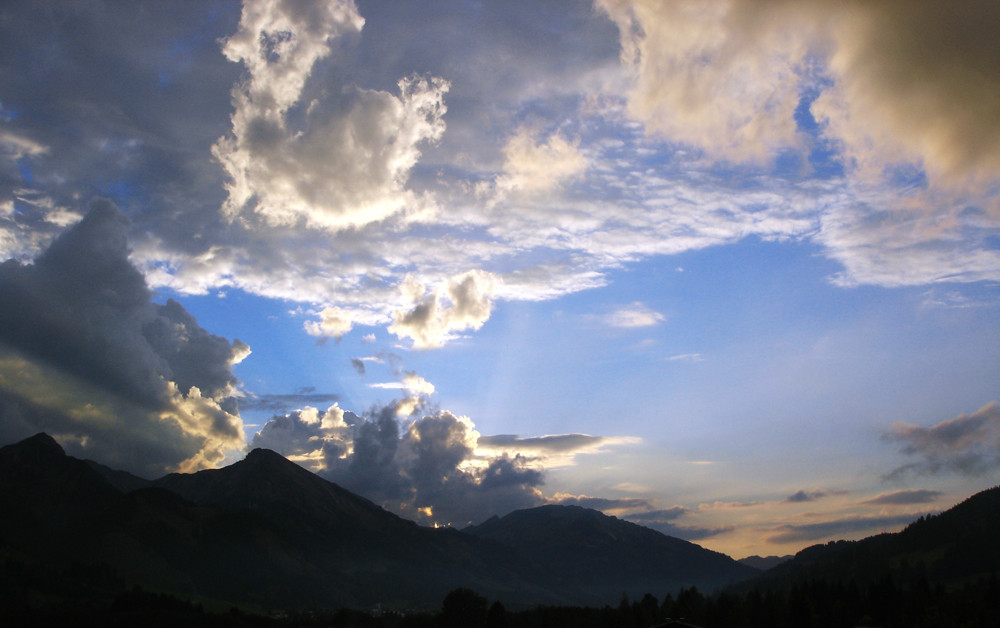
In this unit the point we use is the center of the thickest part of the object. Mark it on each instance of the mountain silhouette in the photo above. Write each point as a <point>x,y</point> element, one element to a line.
<point>956,546</point>
<point>268,533</point>
<point>602,556</point>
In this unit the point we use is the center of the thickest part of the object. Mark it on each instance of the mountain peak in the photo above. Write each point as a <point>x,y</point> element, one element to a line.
<point>261,454</point>
<point>39,445</point>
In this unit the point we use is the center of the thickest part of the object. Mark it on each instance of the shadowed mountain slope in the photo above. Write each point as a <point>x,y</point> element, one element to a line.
<point>604,556</point>
<point>956,546</point>
<point>266,532</point>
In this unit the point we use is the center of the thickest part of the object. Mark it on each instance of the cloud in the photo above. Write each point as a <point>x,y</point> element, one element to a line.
<point>530,166</point>
<point>805,496</point>
<point>967,444</point>
<point>554,450</point>
<point>412,383</point>
<point>797,533</point>
<point>915,496</point>
<point>911,118</point>
<point>728,76</point>
<point>87,356</point>
<point>702,81</point>
<point>359,365</point>
<point>556,443</point>
<point>686,357</point>
<point>287,150</point>
<point>667,514</point>
<point>283,403</point>
<point>634,315</point>
<point>427,469</point>
<point>662,520</point>
<point>604,504</point>
<point>334,322</point>
<point>335,162</point>
<point>463,302</point>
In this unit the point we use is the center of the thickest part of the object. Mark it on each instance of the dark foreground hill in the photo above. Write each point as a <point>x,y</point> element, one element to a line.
<point>956,547</point>
<point>267,533</point>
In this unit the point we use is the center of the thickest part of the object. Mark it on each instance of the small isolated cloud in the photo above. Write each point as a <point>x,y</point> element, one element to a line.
<point>967,444</point>
<point>359,365</point>
<point>805,496</point>
<point>463,303</point>
<point>719,505</point>
<point>805,532</point>
<point>333,323</point>
<point>915,496</point>
<point>686,357</point>
<point>86,356</point>
<point>634,315</point>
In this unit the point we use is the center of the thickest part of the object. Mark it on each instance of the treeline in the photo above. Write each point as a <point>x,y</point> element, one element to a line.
<point>809,604</point>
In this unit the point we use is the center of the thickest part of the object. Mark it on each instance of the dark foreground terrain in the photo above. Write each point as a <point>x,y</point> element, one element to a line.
<point>264,542</point>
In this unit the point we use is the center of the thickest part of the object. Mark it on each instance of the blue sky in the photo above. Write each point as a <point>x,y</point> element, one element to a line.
<point>726,269</point>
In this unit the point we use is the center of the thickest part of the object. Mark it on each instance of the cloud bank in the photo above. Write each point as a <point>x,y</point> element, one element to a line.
<point>304,151</point>
<point>426,469</point>
<point>88,357</point>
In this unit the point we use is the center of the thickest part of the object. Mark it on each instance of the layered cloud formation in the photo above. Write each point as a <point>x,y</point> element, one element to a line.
<point>88,357</point>
<point>377,196</point>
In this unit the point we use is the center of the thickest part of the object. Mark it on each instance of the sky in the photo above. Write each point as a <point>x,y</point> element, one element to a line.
<point>728,269</point>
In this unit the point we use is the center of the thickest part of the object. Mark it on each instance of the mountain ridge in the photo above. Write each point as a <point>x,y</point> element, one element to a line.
<point>267,531</point>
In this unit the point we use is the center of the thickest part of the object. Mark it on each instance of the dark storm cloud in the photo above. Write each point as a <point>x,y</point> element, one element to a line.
<point>967,444</point>
<point>86,354</point>
<point>425,469</point>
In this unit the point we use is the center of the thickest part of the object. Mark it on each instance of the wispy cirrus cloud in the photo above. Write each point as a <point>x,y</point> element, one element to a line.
<point>634,315</point>
<point>815,531</point>
<point>905,497</point>
<point>284,402</point>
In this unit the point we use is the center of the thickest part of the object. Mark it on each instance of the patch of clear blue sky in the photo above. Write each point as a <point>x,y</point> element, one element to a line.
<point>780,349</point>
<point>778,344</point>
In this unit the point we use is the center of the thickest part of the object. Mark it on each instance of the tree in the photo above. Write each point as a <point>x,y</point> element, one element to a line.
<point>463,608</point>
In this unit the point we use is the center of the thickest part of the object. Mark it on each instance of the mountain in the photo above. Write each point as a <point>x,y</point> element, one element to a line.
<point>44,493</point>
<point>601,556</point>
<point>262,531</point>
<point>957,546</point>
<point>763,563</point>
<point>266,533</point>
